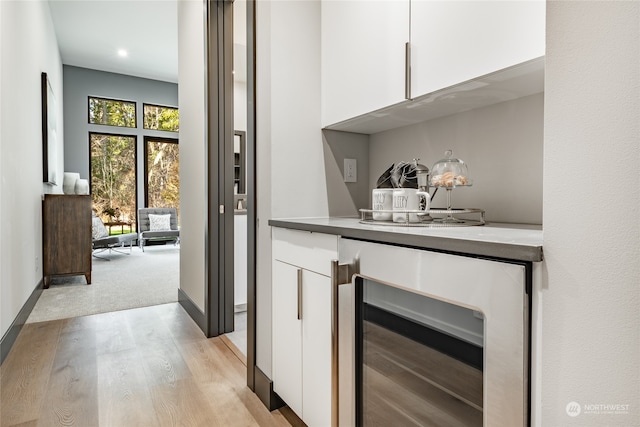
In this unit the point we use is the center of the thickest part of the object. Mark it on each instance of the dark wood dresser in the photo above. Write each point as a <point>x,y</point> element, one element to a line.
<point>66,236</point>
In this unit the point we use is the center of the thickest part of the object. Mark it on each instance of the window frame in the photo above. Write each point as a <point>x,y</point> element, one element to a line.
<point>135,112</point>
<point>144,104</point>
<point>145,154</point>
<point>135,169</point>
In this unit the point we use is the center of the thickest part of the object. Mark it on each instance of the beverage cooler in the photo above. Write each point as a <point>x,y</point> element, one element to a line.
<point>432,339</point>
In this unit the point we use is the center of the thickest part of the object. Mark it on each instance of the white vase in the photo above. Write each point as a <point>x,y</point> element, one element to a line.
<point>69,182</point>
<point>82,186</point>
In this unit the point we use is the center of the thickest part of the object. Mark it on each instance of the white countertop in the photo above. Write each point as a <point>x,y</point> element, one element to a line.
<point>510,241</point>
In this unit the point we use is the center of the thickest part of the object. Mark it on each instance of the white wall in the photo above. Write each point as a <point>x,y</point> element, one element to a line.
<point>296,140</point>
<point>501,145</point>
<point>345,198</point>
<point>290,174</point>
<point>239,105</point>
<point>2,328</point>
<point>591,296</point>
<point>28,48</point>
<point>240,260</point>
<point>192,101</point>
<point>2,37</point>
<point>263,186</point>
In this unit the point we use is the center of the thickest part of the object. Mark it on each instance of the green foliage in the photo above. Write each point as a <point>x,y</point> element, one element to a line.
<point>113,175</point>
<point>113,168</point>
<point>112,112</point>
<point>161,118</point>
<point>163,174</point>
<point>112,212</point>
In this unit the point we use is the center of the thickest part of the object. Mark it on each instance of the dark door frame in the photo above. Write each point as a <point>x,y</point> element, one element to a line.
<point>219,185</point>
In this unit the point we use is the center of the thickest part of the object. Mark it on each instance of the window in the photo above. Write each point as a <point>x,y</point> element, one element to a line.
<point>113,177</point>
<point>162,168</point>
<point>157,117</point>
<point>112,112</point>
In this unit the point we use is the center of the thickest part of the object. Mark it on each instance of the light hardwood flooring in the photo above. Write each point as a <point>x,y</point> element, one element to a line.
<point>150,366</point>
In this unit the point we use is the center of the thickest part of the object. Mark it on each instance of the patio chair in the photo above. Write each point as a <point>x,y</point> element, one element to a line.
<point>102,241</point>
<point>157,224</point>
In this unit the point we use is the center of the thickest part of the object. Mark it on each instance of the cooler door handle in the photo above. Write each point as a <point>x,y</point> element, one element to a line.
<point>341,274</point>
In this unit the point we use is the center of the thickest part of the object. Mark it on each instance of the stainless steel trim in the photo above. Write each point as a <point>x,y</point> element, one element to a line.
<point>299,294</point>
<point>341,274</point>
<point>526,396</point>
<point>407,70</point>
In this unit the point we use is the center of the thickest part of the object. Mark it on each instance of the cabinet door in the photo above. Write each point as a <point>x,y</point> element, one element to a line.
<point>66,235</point>
<point>316,349</point>
<point>287,336</point>
<point>363,56</point>
<point>455,41</point>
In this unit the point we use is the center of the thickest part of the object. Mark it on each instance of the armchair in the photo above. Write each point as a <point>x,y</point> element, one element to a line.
<point>102,241</point>
<point>157,224</point>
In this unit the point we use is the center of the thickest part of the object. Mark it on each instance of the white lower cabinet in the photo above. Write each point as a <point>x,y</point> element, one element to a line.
<point>287,336</point>
<point>301,306</point>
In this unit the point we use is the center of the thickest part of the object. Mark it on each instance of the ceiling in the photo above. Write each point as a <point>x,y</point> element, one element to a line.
<point>90,33</point>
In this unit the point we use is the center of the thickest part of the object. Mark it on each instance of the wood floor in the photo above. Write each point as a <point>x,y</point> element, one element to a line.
<point>150,366</point>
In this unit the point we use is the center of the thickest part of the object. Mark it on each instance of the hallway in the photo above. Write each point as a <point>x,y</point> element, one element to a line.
<point>149,366</point>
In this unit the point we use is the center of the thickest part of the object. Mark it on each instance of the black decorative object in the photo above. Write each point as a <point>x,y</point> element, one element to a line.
<point>385,179</point>
<point>403,175</point>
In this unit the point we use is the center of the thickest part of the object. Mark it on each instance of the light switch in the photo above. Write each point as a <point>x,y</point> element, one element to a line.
<point>350,170</point>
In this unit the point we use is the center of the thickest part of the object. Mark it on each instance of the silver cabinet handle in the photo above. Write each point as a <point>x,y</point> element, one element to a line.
<point>407,70</point>
<point>299,294</point>
<point>340,275</point>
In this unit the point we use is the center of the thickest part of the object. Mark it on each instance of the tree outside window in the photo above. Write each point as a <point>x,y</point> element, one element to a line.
<point>113,176</point>
<point>162,164</point>
<point>112,112</point>
<point>157,117</point>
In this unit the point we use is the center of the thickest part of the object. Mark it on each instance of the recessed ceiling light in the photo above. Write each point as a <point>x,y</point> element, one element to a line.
<point>123,53</point>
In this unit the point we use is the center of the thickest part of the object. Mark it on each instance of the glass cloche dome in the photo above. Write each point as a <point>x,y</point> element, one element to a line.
<point>450,172</point>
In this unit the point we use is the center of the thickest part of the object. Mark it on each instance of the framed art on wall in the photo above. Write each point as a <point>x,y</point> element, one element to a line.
<point>49,132</point>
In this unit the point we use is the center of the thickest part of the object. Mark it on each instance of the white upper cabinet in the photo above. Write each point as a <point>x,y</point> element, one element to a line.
<point>455,41</point>
<point>363,56</point>
<point>364,63</point>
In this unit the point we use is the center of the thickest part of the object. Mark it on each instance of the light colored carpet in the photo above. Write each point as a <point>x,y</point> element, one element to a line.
<point>127,281</point>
